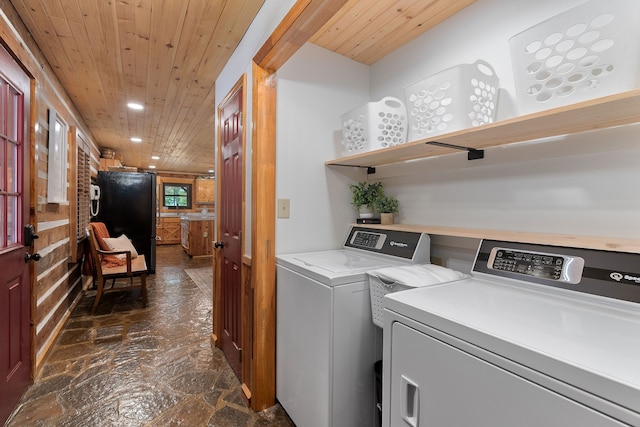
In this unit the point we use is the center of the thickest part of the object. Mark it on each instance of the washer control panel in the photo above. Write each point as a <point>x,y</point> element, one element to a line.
<point>561,268</point>
<point>367,239</point>
<point>409,245</point>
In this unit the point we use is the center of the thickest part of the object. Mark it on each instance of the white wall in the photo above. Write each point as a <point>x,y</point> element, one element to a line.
<point>583,184</point>
<point>314,88</point>
<point>265,22</point>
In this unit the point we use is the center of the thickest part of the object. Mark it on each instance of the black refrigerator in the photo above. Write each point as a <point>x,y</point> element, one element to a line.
<point>128,206</point>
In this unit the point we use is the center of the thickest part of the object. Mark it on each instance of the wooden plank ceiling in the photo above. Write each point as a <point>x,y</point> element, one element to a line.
<point>167,54</point>
<point>164,54</point>
<point>368,30</point>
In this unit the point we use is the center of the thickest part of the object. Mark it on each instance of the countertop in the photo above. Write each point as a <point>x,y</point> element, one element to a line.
<point>191,216</point>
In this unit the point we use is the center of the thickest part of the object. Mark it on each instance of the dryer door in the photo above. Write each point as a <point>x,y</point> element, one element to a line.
<point>434,383</point>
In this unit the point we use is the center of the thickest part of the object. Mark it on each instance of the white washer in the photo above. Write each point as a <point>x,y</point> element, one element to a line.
<point>325,338</point>
<point>540,335</point>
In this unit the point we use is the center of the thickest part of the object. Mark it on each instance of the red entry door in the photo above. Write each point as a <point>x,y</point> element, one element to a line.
<point>229,213</point>
<point>15,278</point>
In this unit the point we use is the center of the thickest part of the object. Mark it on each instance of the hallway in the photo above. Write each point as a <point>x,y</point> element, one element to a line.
<point>128,366</point>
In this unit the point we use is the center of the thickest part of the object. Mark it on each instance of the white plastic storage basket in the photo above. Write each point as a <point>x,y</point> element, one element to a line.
<point>459,97</point>
<point>395,279</point>
<point>587,52</point>
<point>374,125</point>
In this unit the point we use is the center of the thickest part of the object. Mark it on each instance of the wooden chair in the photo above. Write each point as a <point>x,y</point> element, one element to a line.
<point>105,270</point>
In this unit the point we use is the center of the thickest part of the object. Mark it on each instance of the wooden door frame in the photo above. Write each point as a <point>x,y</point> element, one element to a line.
<point>302,21</point>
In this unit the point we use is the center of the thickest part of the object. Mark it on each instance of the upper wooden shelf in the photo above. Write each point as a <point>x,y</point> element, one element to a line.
<point>574,241</point>
<point>609,111</point>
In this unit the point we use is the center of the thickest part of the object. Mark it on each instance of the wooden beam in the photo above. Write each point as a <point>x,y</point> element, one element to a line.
<point>263,261</point>
<point>304,19</point>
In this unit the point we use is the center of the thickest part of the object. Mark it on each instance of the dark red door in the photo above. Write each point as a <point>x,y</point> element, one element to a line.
<point>230,216</point>
<point>15,278</point>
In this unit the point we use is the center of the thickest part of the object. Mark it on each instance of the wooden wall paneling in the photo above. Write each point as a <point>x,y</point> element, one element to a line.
<point>53,221</point>
<point>46,337</point>
<point>263,262</point>
<point>40,87</point>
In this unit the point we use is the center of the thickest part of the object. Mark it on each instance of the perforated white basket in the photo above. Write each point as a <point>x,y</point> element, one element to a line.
<point>378,290</point>
<point>587,52</point>
<point>374,125</point>
<point>459,97</point>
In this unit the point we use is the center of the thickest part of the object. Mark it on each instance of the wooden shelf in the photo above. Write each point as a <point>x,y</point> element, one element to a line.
<point>589,242</point>
<point>609,111</point>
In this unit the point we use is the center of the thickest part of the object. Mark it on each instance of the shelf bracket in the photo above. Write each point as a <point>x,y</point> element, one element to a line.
<point>472,153</point>
<point>370,169</point>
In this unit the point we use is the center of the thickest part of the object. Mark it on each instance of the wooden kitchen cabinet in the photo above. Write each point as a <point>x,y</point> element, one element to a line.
<point>105,164</point>
<point>168,231</point>
<point>205,191</point>
<point>197,236</point>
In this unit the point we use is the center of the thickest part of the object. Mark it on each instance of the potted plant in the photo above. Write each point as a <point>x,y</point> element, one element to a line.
<point>387,206</point>
<point>364,195</point>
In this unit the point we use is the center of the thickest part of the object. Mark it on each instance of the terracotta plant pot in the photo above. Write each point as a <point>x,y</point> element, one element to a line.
<point>386,218</point>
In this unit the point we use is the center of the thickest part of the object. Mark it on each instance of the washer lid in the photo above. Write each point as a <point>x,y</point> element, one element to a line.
<point>339,262</point>
<point>590,342</point>
<point>336,266</point>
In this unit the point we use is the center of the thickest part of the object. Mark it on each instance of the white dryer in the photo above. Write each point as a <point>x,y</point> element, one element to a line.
<point>326,342</point>
<point>539,336</point>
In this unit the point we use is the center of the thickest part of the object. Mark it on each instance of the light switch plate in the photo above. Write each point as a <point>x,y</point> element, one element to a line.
<point>283,208</point>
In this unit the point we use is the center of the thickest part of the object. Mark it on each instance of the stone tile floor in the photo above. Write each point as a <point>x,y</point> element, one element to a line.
<point>127,366</point>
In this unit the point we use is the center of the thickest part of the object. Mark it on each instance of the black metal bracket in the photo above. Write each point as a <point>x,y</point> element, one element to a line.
<point>370,169</point>
<point>473,153</point>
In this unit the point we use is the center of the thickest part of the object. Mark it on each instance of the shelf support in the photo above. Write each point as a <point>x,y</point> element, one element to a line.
<point>472,153</point>
<point>370,169</point>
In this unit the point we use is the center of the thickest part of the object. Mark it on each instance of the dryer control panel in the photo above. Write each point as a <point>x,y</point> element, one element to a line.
<point>597,272</point>
<point>561,268</point>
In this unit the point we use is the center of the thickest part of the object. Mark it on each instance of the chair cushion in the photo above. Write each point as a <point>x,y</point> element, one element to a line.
<point>138,265</point>
<point>121,243</point>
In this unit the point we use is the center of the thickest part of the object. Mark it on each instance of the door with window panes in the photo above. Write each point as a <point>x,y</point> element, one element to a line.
<point>15,270</point>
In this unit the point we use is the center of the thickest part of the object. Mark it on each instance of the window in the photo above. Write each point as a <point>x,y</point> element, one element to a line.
<point>80,183</point>
<point>57,171</point>
<point>176,196</point>
<point>11,140</point>
<point>84,183</point>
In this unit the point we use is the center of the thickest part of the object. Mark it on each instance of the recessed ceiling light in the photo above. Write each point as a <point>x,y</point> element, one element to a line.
<point>210,170</point>
<point>135,106</point>
<point>155,157</point>
<point>136,139</point>
<point>152,166</point>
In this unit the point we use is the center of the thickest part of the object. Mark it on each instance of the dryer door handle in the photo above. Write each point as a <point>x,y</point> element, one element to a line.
<point>410,403</point>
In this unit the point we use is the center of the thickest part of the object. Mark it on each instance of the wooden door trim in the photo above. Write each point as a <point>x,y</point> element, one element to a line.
<point>302,21</point>
<point>217,259</point>
<point>263,175</point>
